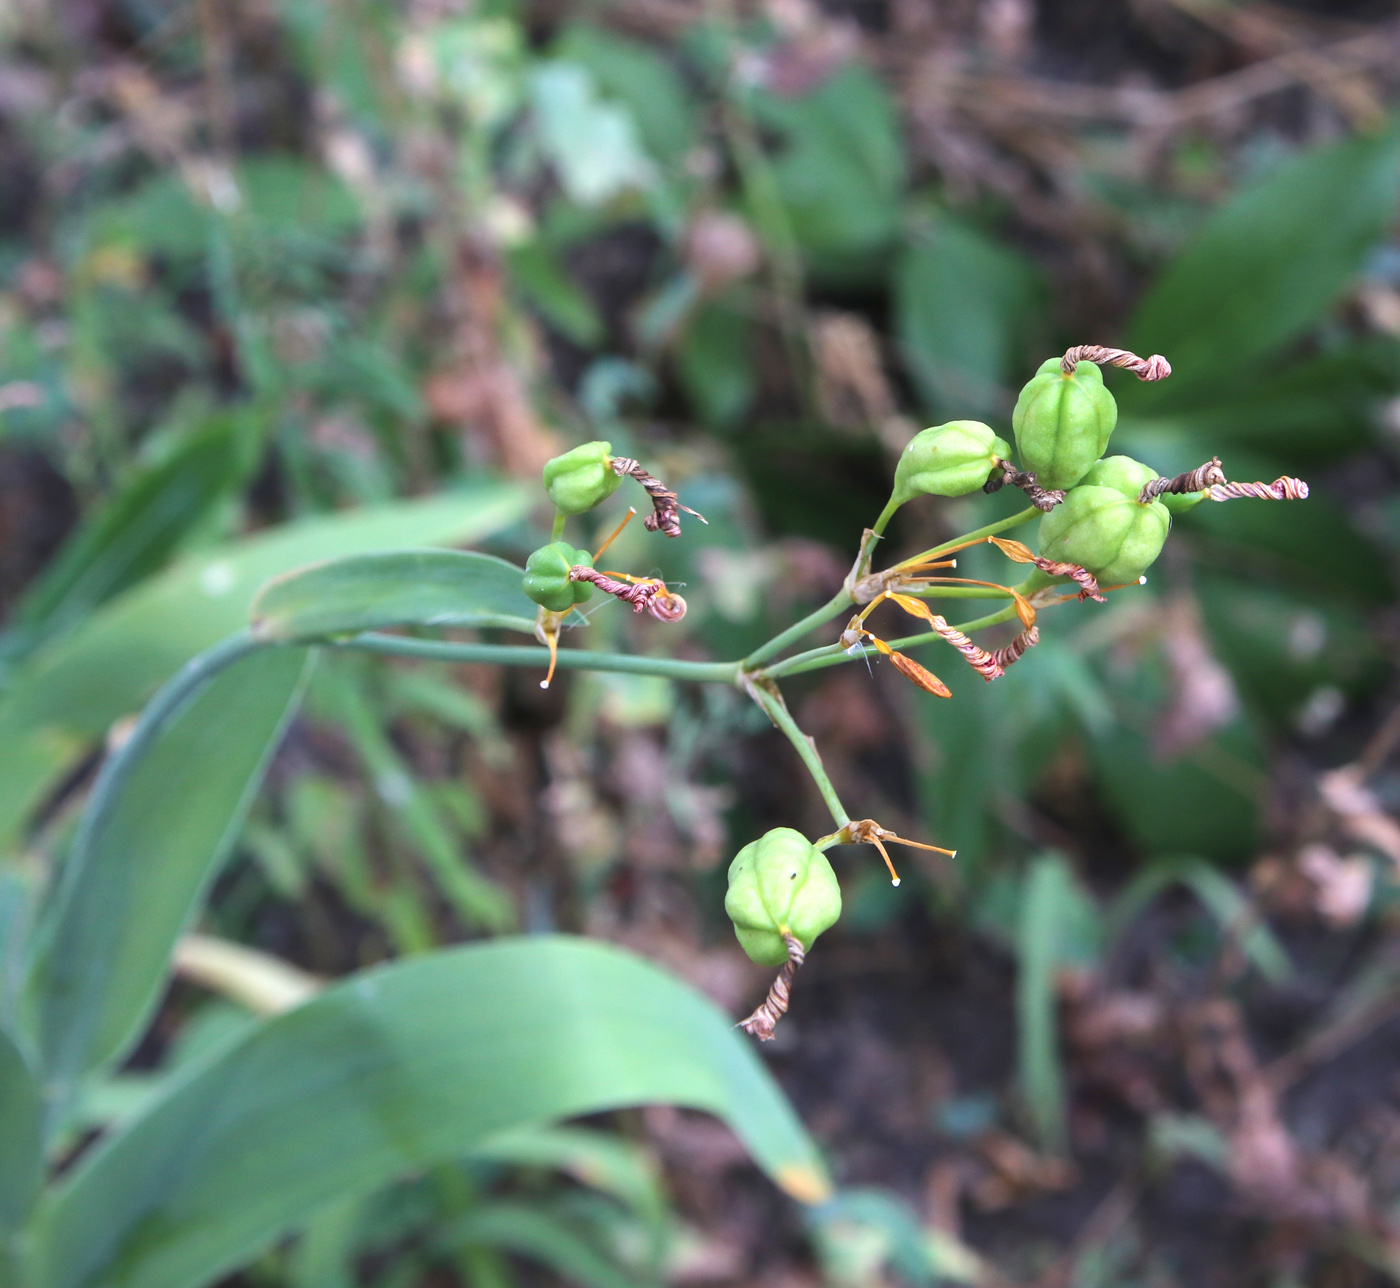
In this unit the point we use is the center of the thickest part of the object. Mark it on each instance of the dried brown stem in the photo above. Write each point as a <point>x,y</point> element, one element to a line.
<point>667,504</point>
<point>765,1019</point>
<point>1154,368</point>
<point>1211,474</point>
<point>1042,498</point>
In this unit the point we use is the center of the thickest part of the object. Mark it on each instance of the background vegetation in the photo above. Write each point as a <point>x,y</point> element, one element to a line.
<point>282,279</point>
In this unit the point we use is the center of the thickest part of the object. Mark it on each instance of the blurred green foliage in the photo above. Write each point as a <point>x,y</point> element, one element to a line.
<point>290,272</point>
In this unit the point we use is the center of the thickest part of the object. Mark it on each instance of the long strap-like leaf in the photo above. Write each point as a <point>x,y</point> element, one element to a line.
<point>391,1070</point>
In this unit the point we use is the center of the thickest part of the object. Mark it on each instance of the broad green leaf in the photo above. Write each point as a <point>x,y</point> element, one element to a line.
<point>715,361</point>
<point>642,79</point>
<point>395,588</point>
<point>390,1071</point>
<point>135,533</point>
<point>593,145</point>
<point>21,1141</point>
<point>839,167</point>
<point>962,303</point>
<point>1272,261</point>
<point>161,818</point>
<point>68,693</point>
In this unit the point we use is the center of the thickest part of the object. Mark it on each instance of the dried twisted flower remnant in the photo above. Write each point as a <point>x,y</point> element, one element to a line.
<point>1154,368</point>
<point>1019,553</point>
<point>1041,498</point>
<point>1203,476</point>
<point>1281,489</point>
<point>764,1020</point>
<point>666,516</point>
<point>641,592</point>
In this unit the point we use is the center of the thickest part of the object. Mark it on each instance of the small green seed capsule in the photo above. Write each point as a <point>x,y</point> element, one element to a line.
<point>778,883</point>
<point>580,479</point>
<point>1106,531</point>
<point>1063,423</point>
<point>1180,502</point>
<point>948,460</point>
<point>1122,474</point>
<point>547,576</point>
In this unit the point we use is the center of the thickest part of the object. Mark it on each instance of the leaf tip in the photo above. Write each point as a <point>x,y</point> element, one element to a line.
<point>804,1182</point>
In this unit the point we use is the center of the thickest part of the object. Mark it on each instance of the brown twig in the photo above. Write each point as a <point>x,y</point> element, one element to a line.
<point>1154,368</point>
<point>1203,476</point>
<point>1044,499</point>
<point>773,1007</point>
<point>667,504</point>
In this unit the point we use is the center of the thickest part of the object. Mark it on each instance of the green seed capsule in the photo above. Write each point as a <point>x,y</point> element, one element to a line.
<point>580,479</point>
<point>778,883</point>
<point>948,460</point>
<point>1063,423</point>
<point>547,576</point>
<point>1122,474</point>
<point>1180,502</point>
<point>1102,527</point>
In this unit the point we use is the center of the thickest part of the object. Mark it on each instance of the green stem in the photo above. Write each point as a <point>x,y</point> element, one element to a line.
<point>560,519</point>
<point>834,606</point>
<point>885,516</point>
<point>834,655</point>
<point>778,713</point>
<point>511,655</point>
<point>1001,525</point>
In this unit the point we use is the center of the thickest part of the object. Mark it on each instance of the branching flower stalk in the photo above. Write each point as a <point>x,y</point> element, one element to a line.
<point>1102,522</point>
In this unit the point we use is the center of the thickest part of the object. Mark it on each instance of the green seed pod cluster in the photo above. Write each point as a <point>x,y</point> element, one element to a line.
<point>948,460</point>
<point>581,478</point>
<point>547,576</point>
<point>780,882</point>
<point>1063,422</point>
<point>1103,527</point>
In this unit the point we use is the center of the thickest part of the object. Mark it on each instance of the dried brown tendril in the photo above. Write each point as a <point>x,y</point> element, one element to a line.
<point>1281,489</point>
<point>645,593</point>
<point>773,1007</point>
<point>666,517</point>
<point>1154,368</point>
<point>1203,476</point>
<point>1044,499</point>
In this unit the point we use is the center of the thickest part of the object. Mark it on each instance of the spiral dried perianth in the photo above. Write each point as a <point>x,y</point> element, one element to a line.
<point>1154,368</point>
<point>765,1019</point>
<point>1281,489</point>
<point>667,504</point>
<point>1211,474</point>
<point>984,663</point>
<point>1014,651</point>
<point>646,594</point>
<point>1019,552</point>
<point>1086,581</point>
<point>1044,499</point>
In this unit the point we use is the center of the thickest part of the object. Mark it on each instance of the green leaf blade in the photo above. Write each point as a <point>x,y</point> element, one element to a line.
<point>394,588</point>
<point>1272,261</point>
<point>146,850</point>
<point>393,1069</point>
